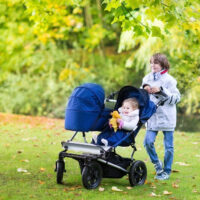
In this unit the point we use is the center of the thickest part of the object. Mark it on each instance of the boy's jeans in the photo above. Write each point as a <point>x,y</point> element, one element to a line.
<point>168,144</point>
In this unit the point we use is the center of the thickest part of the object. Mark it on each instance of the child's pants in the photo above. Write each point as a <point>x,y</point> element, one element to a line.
<point>168,144</point>
<point>114,137</point>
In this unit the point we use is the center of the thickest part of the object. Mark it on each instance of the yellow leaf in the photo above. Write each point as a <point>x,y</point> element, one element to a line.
<point>114,188</point>
<point>41,182</point>
<point>25,161</point>
<point>42,169</point>
<point>153,194</point>
<point>166,192</point>
<point>182,163</point>
<point>175,185</point>
<point>101,189</point>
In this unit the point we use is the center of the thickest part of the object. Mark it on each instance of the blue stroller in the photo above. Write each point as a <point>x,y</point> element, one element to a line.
<point>86,112</point>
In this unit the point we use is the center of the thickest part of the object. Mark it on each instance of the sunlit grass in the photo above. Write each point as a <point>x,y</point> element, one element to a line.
<point>35,146</point>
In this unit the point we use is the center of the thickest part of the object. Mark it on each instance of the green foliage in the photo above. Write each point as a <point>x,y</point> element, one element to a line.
<point>48,47</point>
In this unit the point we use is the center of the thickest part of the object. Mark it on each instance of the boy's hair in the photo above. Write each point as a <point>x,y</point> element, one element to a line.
<point>161,59</point>
<point>133,101</point>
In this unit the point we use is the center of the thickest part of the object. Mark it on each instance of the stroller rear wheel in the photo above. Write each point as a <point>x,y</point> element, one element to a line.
<point>60,169</point>
<point>137,173</point>
<point>92,175</point>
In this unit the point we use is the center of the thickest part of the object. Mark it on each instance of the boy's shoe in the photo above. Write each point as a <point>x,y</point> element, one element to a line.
<point>158,168</point>
<point>162,176</point>
<point>105,142</point>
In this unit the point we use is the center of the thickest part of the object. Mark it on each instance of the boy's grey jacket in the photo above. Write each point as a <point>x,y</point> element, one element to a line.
<point>165,117</point>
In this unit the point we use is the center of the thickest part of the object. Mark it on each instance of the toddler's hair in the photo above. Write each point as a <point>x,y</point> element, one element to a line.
<point>161,59</point>
<point>133,101</point>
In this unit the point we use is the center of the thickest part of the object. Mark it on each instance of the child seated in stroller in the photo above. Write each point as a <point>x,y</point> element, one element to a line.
<point>129,117</point>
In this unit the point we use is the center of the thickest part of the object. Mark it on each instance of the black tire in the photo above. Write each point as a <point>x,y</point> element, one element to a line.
<point>60,168</point>
<point>137,173</point>
<point>92,175</point>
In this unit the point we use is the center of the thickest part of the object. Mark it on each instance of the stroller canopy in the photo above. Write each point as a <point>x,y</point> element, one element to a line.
<point>85,109</point>
<point>147,107</point>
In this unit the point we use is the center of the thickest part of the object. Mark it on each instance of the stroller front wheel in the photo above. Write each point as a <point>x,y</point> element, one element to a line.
<point>92,175</point>
<point>137,173</point>
<point>60,168</point>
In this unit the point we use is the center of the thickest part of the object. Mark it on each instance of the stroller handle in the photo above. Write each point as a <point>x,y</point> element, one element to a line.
<point>110,98</point>
<point>165,97</point>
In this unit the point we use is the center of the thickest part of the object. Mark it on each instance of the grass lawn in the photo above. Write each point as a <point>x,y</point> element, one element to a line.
<point>33,143</point>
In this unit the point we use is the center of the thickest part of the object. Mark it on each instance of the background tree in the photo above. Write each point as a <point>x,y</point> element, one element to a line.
<point>49,47</point>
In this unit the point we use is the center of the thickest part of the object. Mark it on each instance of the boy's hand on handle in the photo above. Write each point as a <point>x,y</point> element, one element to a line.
<point>120,123</point>
<point>148,88</point>
<point>151,90</point>
<point>155,90</point>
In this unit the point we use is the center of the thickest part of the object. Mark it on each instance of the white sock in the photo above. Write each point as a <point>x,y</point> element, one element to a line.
<point>94,137</point>
<point>105,142</point>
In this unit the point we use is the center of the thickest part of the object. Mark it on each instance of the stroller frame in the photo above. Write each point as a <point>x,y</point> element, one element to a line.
<point>97,162</point>
<point>95,158</point>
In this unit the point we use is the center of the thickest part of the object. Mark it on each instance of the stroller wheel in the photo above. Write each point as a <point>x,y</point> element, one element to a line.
<point>137,173</point>
<point>92,175</point>
<point>60,168</point>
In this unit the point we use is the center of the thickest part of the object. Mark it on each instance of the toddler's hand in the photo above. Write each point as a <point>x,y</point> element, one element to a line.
<point>120,123</point>
<point>110,124</point>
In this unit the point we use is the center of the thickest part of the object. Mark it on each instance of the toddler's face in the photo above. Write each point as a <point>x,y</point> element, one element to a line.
<point>127,107</point>
<point>155,67</point>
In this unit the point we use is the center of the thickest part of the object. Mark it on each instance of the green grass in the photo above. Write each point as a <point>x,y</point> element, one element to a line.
<point>35,147</point>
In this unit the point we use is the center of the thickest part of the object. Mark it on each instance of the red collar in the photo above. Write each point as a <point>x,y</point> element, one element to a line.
<point>164,71</point>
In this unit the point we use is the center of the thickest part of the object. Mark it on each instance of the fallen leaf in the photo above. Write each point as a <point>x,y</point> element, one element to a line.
<point>153,194</point>
<point>114,188</point>
<point>41,182</point>
<point>25,139</point>
<point>175,185</point>
<point>165,192</point>
<point>129,188</point>
<point>101,189</point>
<point>194,142</point>
<point>125,192</point>
<point>19,151</point>
<point>195,191</point>
<point>175,171</point>
<point>194,185</point>
<point>25,161</point>
<point>22,170</point>
<point>42,169</point>
<point>182,163</point>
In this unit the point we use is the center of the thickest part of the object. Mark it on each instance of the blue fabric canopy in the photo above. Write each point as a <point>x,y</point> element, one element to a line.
<point>85,109</point>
